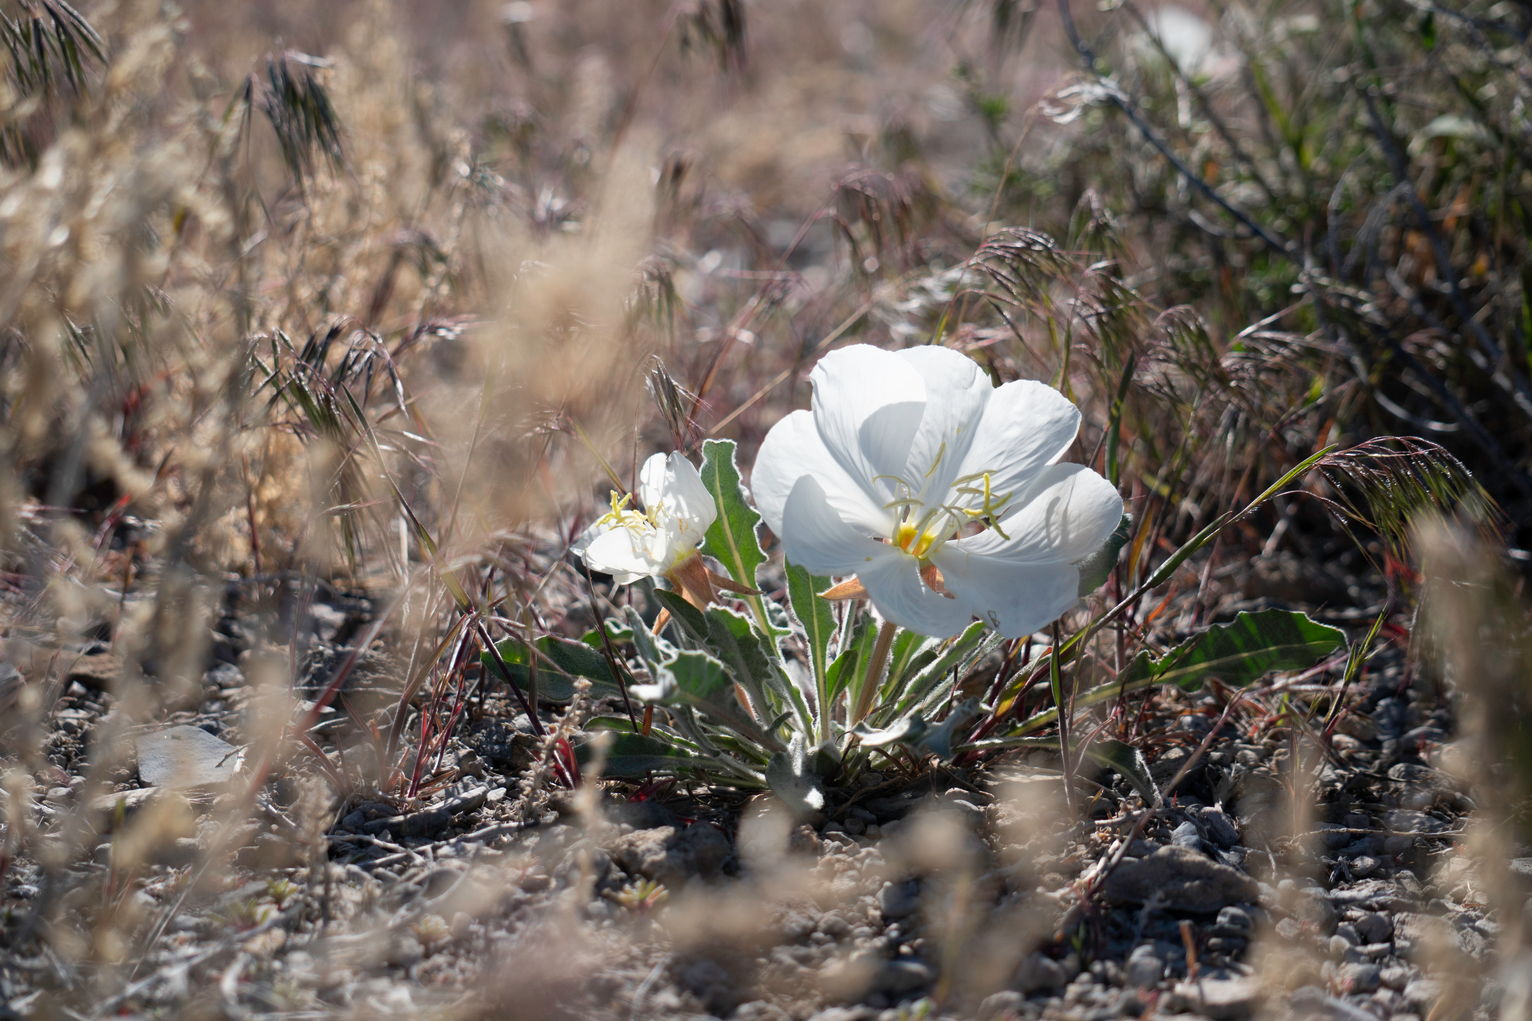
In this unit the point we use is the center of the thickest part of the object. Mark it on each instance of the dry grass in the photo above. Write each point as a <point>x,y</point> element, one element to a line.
<point>369,299</point>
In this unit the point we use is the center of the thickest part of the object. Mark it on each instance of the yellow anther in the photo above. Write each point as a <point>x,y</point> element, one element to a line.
<point>913,540</point>
<point>623,516</point>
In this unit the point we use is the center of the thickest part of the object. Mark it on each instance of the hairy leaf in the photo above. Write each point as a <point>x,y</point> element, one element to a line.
<point>559,662</point>
<point>1247,649</point>
<point>732,539</point>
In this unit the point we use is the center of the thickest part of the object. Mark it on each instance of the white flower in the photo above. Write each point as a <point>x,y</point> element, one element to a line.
<point>630,544</point>
<point>936,489</point>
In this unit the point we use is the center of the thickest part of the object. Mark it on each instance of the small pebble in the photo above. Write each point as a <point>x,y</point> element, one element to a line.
<point>1375,927</point>
<point>1186,835</point>
<point>904,975</point>
<point>1038,973</point>
<point>1360,978</point>
<point>1234,921</point>
<point>1364,865</point>
<point>1007,1003</point>
<point>899,900</point>
<point>1144,967</point>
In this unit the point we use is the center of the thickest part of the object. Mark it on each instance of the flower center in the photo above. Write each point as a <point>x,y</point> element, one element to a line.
<point>923,526</point>
<point>623,516</point>
<point>913,541</point>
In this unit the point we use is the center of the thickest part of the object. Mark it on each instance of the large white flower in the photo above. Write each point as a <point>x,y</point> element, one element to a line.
<point>630,544</point>
<point>936,489</point>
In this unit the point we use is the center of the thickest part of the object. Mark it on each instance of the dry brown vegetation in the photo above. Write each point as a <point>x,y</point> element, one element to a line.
<point>322,328</point>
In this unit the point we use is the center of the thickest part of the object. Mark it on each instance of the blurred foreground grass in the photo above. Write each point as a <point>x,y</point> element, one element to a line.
<point>362,295</point>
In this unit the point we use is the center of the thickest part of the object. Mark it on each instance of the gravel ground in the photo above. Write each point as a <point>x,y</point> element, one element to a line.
<point>1285,873</point>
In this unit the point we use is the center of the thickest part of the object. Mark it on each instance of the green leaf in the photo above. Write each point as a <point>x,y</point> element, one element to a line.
<point>732,538</point>
<point>1247,649</point>
<point>699,681</point>
<point>686,615</point>
<point>843,669</point>
<point>793,778</point>
<point>932,674</point>
<point>1128,762</point>
<point>906,650</point>
<point>1097,568</point>
<point>1239,653</point>
<point>631,755</point>
<point>700,678</point>
<point>904,730</point>
<point>748,655</point>
<point>814,616</point>
<point>940,739</point>
<point>559,662</point>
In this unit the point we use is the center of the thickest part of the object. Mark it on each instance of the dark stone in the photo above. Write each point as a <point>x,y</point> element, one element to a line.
<point>1178,878</point>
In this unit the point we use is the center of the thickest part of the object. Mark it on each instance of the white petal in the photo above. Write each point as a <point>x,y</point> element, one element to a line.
<point>672,492</point>
<point>622,553</point>
<point>818,540</point>
<point>1014,599</point>
<point>867,407</point>
<point>1026,425</point>
<point>652,480</point>
<point>899,595</point>
<point>957,392</point>
<point>792,450</point>
<point>1068,513</point>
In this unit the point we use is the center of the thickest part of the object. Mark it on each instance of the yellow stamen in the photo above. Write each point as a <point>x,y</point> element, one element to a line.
<point>623,516</point>
<point>913,540</point>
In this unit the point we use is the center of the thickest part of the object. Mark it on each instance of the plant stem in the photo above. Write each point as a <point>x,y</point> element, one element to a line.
<point>874,674</point>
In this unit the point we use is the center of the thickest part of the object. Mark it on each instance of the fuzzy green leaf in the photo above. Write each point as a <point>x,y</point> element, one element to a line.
<point>1241,652</point>
<point>1097,568</point>
<point>559,661</point>
<point>630,755</point>
<point>732,539</point>
<point>814,616</point>
<point>793,777</point>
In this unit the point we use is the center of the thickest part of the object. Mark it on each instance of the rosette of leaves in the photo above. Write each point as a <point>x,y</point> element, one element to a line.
<point>763,697</point>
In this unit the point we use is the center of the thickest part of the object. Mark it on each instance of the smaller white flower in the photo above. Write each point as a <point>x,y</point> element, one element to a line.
<point>630,544</point>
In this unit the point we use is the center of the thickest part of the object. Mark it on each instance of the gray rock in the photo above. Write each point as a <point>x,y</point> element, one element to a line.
<point>1234,921</point>
<point>1360,978</point>
<point>1218,827</point>
<point>1375,927</point>
<point>1040,973</point>
<point>1364,864</point>
<point>899,900</point>
<point>904,975</point>
<point>667,855</point>
<point>1187,835</point>
<point>186,757</point>
<point>1314,1003</point>
<point>857,1013</point>
<point>1144,967</point>
<point>1233,997</point>
<point>1375,894</point>
<point>710,982</point>
<point>1007,1002</point>
<point>1179,878</point>
<point>1404,820</point>
<point>1315,909</point>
